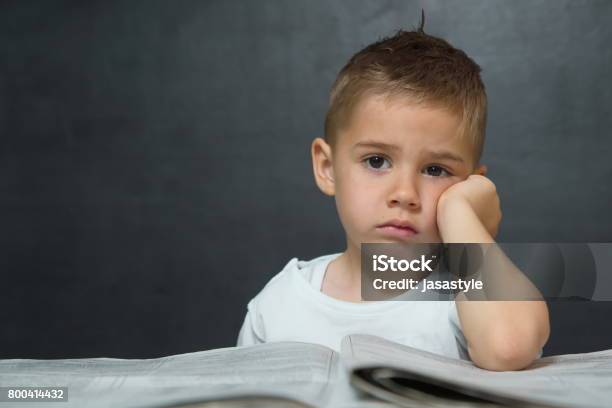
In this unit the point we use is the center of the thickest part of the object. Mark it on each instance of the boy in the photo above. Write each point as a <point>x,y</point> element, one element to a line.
<point>403,138</point>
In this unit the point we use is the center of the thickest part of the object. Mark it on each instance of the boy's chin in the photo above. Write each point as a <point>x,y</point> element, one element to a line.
<point>418,239</point>
<point>384,240</point>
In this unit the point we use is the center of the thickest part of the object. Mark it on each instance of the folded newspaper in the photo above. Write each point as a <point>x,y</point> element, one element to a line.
<point>367,372</point>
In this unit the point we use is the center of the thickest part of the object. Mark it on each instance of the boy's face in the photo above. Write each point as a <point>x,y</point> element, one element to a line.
<point>391,164</point>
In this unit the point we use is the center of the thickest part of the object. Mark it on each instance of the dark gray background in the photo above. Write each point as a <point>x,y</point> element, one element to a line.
<point>155,168</point>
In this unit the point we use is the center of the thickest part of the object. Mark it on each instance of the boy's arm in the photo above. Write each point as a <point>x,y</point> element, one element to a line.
<point>501,335</point>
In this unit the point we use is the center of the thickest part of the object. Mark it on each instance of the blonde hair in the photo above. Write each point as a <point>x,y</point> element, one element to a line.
<point>422,68</point>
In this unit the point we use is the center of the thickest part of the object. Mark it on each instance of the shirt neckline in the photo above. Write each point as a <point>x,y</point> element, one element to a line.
<point>319,266</point>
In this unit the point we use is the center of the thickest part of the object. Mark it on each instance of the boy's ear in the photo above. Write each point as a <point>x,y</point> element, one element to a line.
<point>481,170</point>
<point>322,166</point>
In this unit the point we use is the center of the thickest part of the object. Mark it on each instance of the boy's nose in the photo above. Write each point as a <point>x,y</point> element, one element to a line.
<point>404,194</point>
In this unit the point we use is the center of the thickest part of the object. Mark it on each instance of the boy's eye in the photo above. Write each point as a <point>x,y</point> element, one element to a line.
<point>436,171</point>
<point>377,162</point>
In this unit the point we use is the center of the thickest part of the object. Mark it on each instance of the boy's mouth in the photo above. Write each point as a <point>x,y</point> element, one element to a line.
<point>397,228</point>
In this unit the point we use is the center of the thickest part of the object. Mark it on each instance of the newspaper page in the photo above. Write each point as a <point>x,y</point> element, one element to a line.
<point>572,380</point>
<point>292,370</point>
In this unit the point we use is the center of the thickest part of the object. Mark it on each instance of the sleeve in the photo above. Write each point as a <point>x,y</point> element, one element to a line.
<point>455,324</point>
<point>251,331</point>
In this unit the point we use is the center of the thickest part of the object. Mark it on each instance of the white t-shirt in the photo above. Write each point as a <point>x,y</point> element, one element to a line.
<point>291,307</point>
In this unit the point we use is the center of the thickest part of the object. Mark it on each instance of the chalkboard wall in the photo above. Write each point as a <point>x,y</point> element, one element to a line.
<point>155,169</point>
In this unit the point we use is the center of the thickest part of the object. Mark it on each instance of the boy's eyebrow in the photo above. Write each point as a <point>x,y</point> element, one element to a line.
<point>437,155</point>
<point>443,154</point>
<point>379,145</point>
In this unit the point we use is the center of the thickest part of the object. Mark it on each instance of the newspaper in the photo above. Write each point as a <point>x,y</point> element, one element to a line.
<point>369,372</point>
<point>295,371</point>
<point>572,380</point>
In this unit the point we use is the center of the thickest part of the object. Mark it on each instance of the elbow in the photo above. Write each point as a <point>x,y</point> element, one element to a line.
<point>507,351</point>
<point>512,356</point>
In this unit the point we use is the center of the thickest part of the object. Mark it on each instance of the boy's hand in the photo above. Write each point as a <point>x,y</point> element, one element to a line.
<point>479,193</point>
